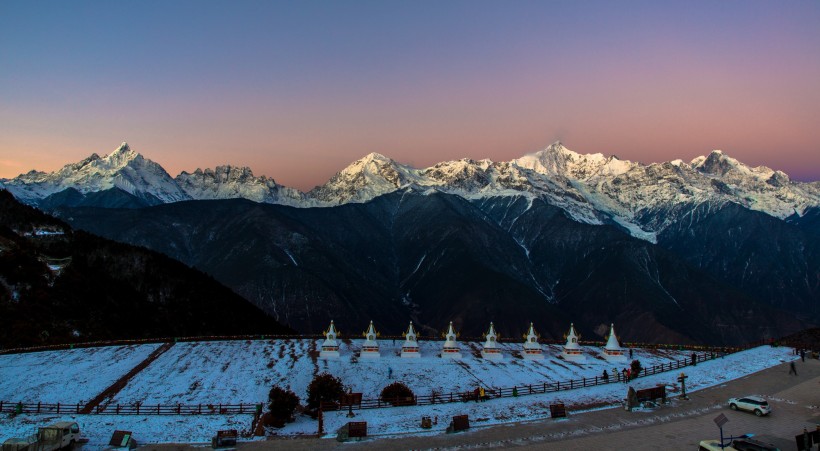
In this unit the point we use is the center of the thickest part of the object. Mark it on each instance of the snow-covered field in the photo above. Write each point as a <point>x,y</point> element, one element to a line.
<point>67,376</point>
<point>244,371</point>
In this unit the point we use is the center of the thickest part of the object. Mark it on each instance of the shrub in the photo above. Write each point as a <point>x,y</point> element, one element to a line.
<point>636,368</point>
<point>324,388</point>
<point>282,403</point>
<point>397,394</point>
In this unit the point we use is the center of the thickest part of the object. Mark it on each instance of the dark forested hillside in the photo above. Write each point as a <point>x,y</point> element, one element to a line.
<point>58,285</point>
<point>436,257</point>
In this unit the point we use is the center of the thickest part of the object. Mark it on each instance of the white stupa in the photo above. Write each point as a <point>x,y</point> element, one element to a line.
<point>410,348</point>
<point>330,348</point>
<point>613,351</point>
<point>491,350</point>
<point>450,349</point>
<point>572,350</point>
<point>532,350</point>
<point>370,347</point>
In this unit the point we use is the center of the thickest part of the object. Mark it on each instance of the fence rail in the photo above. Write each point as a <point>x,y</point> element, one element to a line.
<point>131,409</point>
<point>521,390</point>
<point>371,403</point>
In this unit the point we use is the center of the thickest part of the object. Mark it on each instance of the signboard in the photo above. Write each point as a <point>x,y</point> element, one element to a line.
<point>461,423</point>
<point>813,436</point>
<point>720,420</point>
<point>226,437</point>
<point>349,399</point>
<point>120,439</point>
<point>357,429</point>
<point>651,394</point>
<point>558,411</point>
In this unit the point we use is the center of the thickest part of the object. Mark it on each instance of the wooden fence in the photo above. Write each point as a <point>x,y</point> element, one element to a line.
<point>521,390</point>
<point>372,403</point>
<point>132,409</point>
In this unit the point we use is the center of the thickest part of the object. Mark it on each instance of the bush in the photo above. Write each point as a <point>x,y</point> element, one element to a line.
<point>397,394</point>
<point>282,403</point>
<point>636,368</point>
<point>324,388</point>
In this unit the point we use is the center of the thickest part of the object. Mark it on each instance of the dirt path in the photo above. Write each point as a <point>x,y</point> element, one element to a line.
<point>120,383</point>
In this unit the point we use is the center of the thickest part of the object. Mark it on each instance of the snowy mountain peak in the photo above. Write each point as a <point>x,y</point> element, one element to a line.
<point>123,169</point>
<point>366,178</point>
<point>124,147</point>
<point>236,182</point>
<point>591,188</point>
<point>558,161</point>
<point>122,157</point>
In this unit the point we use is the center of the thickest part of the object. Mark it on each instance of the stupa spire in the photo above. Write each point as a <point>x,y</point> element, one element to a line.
<point>491,351</point>
<point>450,349</point>
<point>532,350</point>
<point>572,349</point>
<point>370,347</point>
<point>330,347</point>
<point>613,350</point>
<point>410,348</point>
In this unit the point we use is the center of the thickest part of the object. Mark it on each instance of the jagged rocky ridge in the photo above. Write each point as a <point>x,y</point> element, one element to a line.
<point>641,199</point>
<point>707,251</point>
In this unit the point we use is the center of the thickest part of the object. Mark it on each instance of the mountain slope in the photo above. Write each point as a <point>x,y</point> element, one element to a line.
<point>436,257</point>
<point>122,169</point>
<point>640,199</point>
<point>230,182</point>
<point>58,285</point>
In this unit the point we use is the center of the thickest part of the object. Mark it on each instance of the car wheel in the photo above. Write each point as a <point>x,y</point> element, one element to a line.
<point>758,412</point>
<point>733,406</point>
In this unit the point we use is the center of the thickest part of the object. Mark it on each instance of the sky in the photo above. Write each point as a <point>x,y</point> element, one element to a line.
<point>298,90</point>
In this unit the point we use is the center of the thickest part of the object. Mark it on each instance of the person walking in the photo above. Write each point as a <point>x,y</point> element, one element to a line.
<point>792,369</point>
<point>803,354</point>
<point>630,353</point>
<point>605,377</point>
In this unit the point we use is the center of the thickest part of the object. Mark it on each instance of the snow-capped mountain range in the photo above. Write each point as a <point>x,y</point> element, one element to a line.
<point>592,188</point>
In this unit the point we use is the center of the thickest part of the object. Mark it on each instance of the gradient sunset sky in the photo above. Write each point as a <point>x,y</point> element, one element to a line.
<point>298,90</point>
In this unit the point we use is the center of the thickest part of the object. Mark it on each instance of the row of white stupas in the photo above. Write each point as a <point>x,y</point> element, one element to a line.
<point>612,351</point>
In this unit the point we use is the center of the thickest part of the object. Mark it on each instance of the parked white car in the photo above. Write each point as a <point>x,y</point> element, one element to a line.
<point>755,404</point>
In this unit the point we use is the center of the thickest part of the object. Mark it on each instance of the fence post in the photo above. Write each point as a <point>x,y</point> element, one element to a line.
<point>78,407</point>
<point>58,408</point>
<point>596,380</point>
<point>38,406</point>
<point>570,384</point>
<point>118,409</point>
